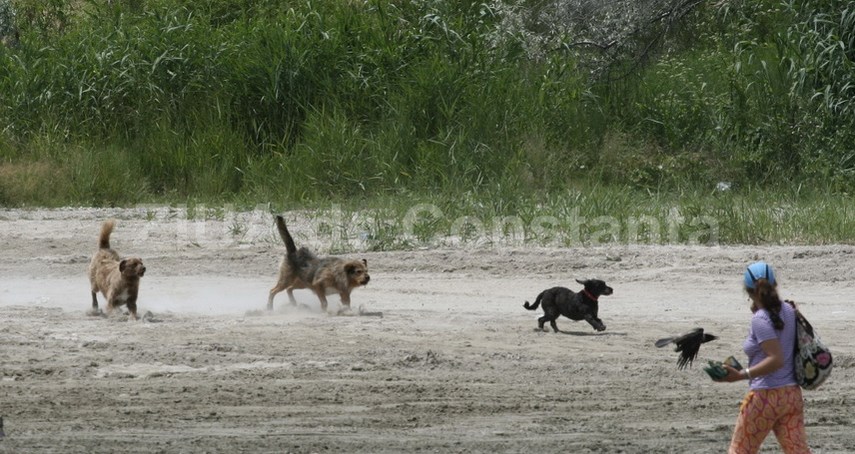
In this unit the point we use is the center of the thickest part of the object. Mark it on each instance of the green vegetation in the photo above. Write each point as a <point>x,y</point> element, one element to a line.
<point>595,215</point>
<point>381,103</point>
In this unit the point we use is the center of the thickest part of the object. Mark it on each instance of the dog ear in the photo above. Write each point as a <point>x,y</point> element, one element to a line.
<point>122,265</point>
<point>581,282</point>
<point>365,262</point>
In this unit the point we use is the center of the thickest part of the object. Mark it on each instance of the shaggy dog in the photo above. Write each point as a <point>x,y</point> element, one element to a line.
<point>300,268</point>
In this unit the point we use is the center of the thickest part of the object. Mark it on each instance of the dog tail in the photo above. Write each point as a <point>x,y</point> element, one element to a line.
<point>286,237</point>
<point>106,230</point>
<point>534,306</point>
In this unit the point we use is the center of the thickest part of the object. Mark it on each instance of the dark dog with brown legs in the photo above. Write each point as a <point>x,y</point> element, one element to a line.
<point>301,269</point>
<point>117,279</point>
<point>559,301</point>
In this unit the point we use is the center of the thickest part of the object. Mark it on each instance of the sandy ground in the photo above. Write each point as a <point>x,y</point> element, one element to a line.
<point>454,363</point>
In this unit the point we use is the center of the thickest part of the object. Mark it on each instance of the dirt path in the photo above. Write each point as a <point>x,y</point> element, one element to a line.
<point>453,365</point>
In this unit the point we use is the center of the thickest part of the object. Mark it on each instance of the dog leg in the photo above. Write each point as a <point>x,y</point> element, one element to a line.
<point>291,296</point>
<point>321,292</point>
<point>278,288</point>
<point>94,310</point>
<point>596,323</point>
<point>551,313</point>
<point>540,322</point>
<point>345,302</point>
<point>132,309</point>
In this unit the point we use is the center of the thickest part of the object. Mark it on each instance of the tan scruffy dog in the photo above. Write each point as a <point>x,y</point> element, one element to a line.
<point>117,279</point>
<point>300,268</point>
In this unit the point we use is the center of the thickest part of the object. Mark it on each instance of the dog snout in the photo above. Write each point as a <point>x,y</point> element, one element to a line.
<point>142,271</point>
<point>366,279</point>
<point>608,291</point>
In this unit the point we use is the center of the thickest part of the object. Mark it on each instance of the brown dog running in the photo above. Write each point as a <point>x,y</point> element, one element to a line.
<point>117,279</point>
<point>300,268</point>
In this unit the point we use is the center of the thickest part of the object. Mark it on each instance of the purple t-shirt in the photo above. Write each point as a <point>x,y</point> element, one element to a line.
<point>762,330</point>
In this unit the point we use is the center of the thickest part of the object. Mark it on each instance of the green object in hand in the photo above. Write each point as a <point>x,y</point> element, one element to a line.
<point>715,370</point>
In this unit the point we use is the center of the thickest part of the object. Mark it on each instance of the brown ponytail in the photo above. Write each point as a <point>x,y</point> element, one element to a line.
<point>767,295</point>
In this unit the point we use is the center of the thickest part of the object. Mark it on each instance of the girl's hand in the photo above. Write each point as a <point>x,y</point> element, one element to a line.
<point>732,375</point>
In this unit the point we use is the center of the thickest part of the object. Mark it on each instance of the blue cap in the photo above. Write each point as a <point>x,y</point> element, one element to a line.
<point>759,270</point>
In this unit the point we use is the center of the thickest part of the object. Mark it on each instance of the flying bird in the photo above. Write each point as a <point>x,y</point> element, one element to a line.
<point>688,345</point>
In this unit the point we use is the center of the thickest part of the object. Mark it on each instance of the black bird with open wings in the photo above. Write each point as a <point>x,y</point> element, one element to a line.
<point>688,345</point>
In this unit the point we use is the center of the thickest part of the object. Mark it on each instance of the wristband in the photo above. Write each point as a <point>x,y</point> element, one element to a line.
<point>748,373</point>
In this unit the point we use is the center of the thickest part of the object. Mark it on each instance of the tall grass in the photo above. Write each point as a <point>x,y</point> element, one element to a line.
<point>768,88</point>
<point>384,100</point>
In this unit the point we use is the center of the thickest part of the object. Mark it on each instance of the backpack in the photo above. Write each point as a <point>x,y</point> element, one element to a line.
<point>813,360</point>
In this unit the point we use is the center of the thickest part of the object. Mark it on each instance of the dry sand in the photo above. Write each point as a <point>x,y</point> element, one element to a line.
<point>453,365</point>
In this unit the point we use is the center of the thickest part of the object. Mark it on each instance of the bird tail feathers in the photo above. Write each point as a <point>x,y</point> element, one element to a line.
<point>663,342</point>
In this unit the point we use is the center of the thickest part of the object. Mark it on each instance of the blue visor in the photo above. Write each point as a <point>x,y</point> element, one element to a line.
<point>759,270</point>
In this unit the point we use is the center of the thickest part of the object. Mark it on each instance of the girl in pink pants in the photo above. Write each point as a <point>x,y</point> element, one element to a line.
<point>774,402</point>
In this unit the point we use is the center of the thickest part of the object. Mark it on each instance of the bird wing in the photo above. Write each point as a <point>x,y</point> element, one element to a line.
<point>687,356</point>
<point>688,345</point>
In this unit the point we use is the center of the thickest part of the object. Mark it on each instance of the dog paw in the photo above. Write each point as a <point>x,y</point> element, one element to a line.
<point>95,313</point>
